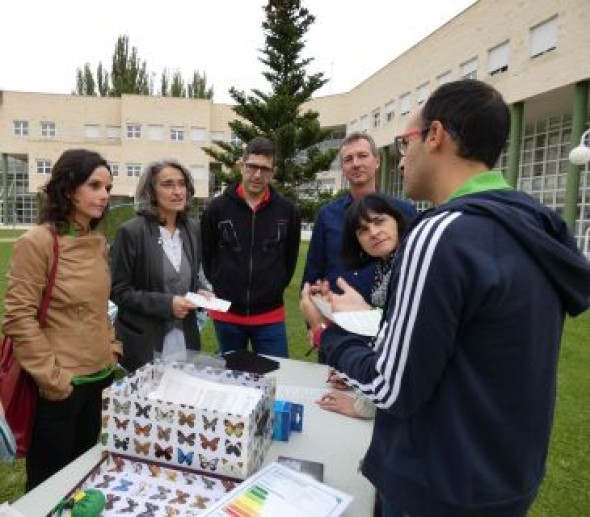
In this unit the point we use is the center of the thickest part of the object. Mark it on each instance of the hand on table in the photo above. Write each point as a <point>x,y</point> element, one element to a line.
<point>338,402</point>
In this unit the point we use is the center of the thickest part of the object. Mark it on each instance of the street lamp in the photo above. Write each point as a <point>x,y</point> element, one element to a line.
<point>580,155</point>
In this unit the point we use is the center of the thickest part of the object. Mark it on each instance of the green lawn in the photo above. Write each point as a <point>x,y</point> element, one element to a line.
<point>566,490</point>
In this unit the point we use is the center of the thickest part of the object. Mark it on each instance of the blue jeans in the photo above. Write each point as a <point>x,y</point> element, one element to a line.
<point>268,339</point>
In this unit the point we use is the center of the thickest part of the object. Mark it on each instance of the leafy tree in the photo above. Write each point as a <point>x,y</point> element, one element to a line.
<point>128,72</point>
<point>197,88</point>
<point>129,75</point>
<point>85,84</point>
<point>278,114</point>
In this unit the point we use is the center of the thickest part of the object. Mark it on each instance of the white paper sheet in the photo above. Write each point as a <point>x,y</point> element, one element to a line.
<point>181,388</point>
<point>216,304</point>
<point>365,323</point>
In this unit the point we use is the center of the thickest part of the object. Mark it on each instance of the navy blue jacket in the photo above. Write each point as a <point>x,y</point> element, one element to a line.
<point>323,256</point>
<point>464,370</point>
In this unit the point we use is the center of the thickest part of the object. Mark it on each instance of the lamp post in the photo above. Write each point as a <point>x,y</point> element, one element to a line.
<point>580,155</point>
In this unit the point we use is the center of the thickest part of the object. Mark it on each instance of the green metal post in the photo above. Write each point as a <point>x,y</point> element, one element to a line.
<point>579,116</point>
<point>383,169</point>
<point>516,117</point>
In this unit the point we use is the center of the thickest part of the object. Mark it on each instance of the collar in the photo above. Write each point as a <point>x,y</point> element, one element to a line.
<point>264,201</point>
<point>482,182</point>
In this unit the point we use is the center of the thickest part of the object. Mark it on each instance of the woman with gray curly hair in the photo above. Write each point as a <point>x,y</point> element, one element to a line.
<point>155,261</point>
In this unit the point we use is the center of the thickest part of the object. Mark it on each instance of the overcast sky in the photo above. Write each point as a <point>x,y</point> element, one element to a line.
<point>43,42</point>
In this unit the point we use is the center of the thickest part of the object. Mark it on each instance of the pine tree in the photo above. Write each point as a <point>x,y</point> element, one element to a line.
<point>177,88</point>
<point>128,72</point>
<point>85,84</point>
<point>278,114</point>
<point>197,88</point>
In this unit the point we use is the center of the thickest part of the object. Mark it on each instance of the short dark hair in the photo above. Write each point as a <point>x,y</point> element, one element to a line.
<point>353,256</point>
<point>262,146</point>
<point>145,193</point>
<point>475,115</point>
<point>71,170</point>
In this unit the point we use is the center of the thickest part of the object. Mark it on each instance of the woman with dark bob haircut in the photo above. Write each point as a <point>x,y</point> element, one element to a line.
<point>71,359</point>
<point>373,229</point>
<point>155,261</point>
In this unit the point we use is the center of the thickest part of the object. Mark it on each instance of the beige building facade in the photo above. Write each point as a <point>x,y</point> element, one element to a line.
<point>533,51</point>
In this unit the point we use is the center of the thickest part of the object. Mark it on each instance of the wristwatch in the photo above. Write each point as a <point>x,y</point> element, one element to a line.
<point>317,334</point>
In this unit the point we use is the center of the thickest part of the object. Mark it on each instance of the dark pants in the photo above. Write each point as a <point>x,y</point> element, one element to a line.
<point>63,430</point>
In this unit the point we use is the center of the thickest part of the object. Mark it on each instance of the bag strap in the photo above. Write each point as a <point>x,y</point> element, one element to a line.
<point>42,314</point>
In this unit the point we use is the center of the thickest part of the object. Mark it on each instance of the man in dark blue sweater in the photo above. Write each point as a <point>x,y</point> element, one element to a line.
<point>464,368</point>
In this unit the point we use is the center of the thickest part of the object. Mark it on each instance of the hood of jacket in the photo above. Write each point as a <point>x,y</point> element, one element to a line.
<point>542,233</point>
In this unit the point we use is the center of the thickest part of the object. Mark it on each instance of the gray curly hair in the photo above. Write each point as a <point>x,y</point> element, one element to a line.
<point>145,194</point>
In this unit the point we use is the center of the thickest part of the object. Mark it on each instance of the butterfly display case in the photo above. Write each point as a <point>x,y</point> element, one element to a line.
<point>197,439</point>
<point>147,488</point>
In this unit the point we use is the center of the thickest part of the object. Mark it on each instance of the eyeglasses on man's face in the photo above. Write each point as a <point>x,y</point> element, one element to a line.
<point>402,141</point>
<point>253,168</point>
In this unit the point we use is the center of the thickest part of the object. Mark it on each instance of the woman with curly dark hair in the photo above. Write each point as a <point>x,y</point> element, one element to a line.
<point>71,359</point>
<point>155,261</point>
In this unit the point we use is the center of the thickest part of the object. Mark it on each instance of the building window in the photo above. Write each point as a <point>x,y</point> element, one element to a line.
<point>114,168</point>
<point>91,131</point>
<point>469,69</point>
<point>389,112</point>
<point>422,93</point>
<point>21,127</point>
<point>177,134</point>
<point>133,131</point>
<point>444,78</point>
<point>364,123</point>
<point>43,167</point>
<point>498,59</point>
<point>133,170</point>
<point>217,135</point>
<point>198,172</point>
<point>114,132</point>
<point>544,37</point>
<point>48,129</point>
<point>155,133</point>
<point>198,134</point>
<point>405,104</point>
<point>376,117</point>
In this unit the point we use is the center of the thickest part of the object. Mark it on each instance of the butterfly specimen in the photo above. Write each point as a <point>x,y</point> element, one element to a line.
<point>124,486</point>
<point>121,424</point>
<point>131,508</point>
<point>121,443</point>
<point>104,438</point>
<point>164,433</point>
<point>171,511</point>
<point>142,410</point>
<point>228,484</point>
<point>155,470</point>
<point>105,420</point>
<point>106,481</point>
<point>171,475</point>
<point>209,444</point>
<point>189,438</point>
<point>141,448</point>
<point>230,428</point>
<point>164,416</point>
<point>111,500</point>
<point>209,424</point>
<point>150,510</point>
<point>210,464</point>
<point>233,448</point>
<point>122,408</point>
<point>118,464</point>
<point>186,419</point>
<point>162,493</point>
<point>142,429</point>
<point>185,457</point>
<point>181,497</point>
<point>160,451</point>
<point>261,422</point>
<point>105,403</point>
<point>200,502</point>
<point>208,482</point>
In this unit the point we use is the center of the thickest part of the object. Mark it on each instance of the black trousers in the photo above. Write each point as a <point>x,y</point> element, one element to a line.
<point>63,430</point>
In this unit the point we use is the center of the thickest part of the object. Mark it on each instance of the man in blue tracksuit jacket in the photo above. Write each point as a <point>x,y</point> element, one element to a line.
<point>464,368</point>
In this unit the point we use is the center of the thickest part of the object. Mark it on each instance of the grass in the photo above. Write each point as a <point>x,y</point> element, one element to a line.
<point>566,489</point>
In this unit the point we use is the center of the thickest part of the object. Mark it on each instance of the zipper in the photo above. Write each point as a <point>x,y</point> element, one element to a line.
<point>251,264</point>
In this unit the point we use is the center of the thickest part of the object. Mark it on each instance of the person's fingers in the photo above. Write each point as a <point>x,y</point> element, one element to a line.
<point>343,284</point>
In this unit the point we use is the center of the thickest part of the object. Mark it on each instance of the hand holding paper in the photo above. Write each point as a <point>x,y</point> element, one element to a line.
<point>216,304</point>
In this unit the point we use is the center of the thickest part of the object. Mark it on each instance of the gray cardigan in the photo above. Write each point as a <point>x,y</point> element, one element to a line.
<point>137,259</point>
